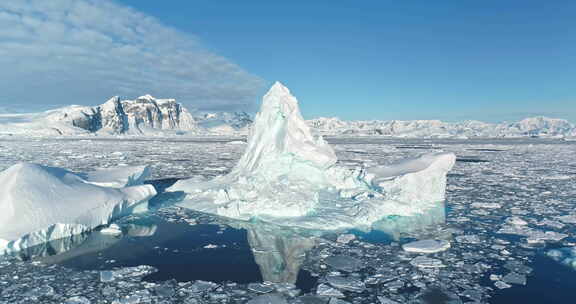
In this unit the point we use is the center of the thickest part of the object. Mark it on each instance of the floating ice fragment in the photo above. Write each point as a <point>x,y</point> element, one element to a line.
<point>532,235</point>
<point>344,263</point>
<point>271,298</point>
<point>485,205</point>
<point>501,285</point>
<point>346,283</point>
<point>337,301</point>
<point>325,290</point>
<point>260,288</point>
<point>514,220</point>
<point>468,239</point>
<point>77,300</point>
<point>426,246</point>
<point>345,238</point>
<point>106,276</point>
<point>515,278</point>
<point>112,229</point>
<point>307,299</point>
<point>166,289</point>
<point>385,300</point>
<point>568,219</point>
<point>426,262</point>
<point>236,142</point>
<point>202,286</point>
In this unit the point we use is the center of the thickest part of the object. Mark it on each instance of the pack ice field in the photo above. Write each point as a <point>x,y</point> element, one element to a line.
<point>509,204</point>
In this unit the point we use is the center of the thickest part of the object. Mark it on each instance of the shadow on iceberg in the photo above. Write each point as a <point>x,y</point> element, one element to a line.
<point>289,177</point>
<point>39,203</point>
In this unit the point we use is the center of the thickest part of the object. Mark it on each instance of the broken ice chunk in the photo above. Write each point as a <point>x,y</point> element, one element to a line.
<point>77,300</point>
<point>260,288</point>
<point>468,239</point>
<point>106,276</point>
<point>426,246</point>
<point>346,283</point>
<point>328,291</point>
<point>271,298</point>
<point>515,278</point>
<point>344,263</point>
<point>501,285</point>
<point>345,238</point>
<point>113,229</point>
<point>426,262</point>
<point>514,220</point>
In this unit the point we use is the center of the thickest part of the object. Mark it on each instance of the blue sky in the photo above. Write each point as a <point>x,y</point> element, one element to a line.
<point>450,60</point>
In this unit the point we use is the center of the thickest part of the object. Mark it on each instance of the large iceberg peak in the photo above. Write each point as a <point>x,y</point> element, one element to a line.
<point>289,177</point>
<point>281,137</point>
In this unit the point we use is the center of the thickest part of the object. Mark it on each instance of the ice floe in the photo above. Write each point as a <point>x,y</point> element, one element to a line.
<point>40,203</point>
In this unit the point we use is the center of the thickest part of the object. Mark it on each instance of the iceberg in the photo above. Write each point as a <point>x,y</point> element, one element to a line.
<point>40,203</point>
<point>289,177</point>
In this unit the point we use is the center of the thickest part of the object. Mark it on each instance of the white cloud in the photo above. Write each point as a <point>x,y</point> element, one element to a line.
<point>83,51</point>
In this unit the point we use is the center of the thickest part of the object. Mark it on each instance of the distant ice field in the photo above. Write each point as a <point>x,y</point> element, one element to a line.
<point>509,202</point>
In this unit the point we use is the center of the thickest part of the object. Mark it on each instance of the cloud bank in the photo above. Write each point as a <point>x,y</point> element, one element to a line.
<point>84,51</point>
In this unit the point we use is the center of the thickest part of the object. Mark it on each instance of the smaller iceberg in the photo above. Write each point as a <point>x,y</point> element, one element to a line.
<point>289,177</point>
<point>39,203</point>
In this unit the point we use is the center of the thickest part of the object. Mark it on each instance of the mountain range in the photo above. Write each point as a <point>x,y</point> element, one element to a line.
<point>529,127</point>
<point>151,116</point>
<point>144,115</point>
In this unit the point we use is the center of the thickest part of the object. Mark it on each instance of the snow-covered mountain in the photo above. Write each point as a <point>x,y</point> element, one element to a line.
<point>147,115</point>
<point>144,115</point>
<point>224,122</point>
<point>535,126</point>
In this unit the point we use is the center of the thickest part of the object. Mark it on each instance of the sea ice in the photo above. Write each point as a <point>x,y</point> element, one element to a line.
<point>290,177</point>
<point>346,283</point>
<point>39,204</point>
<point>426,246</point>
<point>426,262</point>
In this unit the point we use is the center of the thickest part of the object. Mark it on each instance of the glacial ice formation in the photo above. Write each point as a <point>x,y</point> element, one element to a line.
<point>289,177</point>
<point>39,203</point>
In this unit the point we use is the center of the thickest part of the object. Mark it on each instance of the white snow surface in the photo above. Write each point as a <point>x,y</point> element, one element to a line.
<point>40,203</point>
<point>289,177</point>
